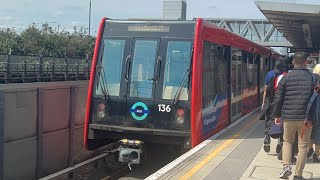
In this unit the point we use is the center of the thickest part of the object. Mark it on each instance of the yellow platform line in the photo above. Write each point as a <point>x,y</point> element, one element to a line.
<point>202,163</point>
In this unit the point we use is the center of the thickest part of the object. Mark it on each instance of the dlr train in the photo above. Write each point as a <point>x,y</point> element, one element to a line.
<point>170,82</point>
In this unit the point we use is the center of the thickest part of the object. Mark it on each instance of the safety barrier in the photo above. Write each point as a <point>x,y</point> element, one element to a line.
<point>41,126</point>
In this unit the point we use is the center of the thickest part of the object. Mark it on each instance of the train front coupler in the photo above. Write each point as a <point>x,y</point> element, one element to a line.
<point>130,151</point>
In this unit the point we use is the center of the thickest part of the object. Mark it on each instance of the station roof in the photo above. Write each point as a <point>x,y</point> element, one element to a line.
<point>299,23</point>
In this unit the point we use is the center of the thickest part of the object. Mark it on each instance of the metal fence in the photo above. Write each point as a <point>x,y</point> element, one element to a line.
<point>21,69</point>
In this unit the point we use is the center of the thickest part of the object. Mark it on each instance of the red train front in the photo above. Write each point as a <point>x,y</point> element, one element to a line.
<point>170,82</point>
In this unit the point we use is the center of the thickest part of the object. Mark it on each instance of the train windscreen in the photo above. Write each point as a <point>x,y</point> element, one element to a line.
<point>142,76</point>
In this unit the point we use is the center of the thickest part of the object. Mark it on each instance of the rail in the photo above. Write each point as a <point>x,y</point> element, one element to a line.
<point>78,166</point>
<point>75,167</point>
<point>21,69</point>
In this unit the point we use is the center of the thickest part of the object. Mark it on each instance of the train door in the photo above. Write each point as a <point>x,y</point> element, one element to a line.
<point>141,77</point>
<point>236,56</point>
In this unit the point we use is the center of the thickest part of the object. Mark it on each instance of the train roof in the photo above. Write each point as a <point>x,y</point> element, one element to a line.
<point>229,39</point>
<point>234,40</point>
<point>154,20</point>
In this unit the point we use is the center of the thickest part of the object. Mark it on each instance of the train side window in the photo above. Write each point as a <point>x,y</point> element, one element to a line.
<point>250,70</point>
<point>244,70</point>
<point>214,78</point>
<point>256,71</point>
<point>262,73</point>
<point>112,64</point>
<point>178,60</point>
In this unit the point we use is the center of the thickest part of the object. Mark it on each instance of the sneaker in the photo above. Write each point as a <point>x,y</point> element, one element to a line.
<point>278,148</point>
<point>266,143</point>
<point>298,178</point>
<point>310,152</point>
<point>286,172</point>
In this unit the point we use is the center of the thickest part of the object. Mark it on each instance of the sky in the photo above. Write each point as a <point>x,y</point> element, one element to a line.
<point>68,13</point>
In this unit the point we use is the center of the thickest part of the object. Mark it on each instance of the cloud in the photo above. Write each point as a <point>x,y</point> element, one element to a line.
<point>58,13</point>
<point>6,18</point>
<point>212,6</point>
<point>76,7</point>
<point>75,23</point>
<point>8,21</point>
<point>7,10</point>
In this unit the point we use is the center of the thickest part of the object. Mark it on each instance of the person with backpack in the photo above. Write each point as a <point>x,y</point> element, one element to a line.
<point>271,82</point>
<point>291,100</point>
<point>315,105</point>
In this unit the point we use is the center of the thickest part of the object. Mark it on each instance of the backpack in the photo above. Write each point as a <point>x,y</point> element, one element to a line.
<point>271,89</point>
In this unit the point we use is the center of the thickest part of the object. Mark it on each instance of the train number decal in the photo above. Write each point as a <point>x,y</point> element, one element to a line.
<point>164,108</point>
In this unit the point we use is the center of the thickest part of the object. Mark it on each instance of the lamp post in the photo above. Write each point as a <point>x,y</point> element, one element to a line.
<point>89,17</point>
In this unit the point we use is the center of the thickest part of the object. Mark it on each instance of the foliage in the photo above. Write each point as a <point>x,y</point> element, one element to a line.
<point>46,41</point>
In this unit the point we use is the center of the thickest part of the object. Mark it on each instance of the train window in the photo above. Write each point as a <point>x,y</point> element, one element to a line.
<point>244,70</point>
<point>236,81</point>
<point>143,68</point>
<point>250,71</point>
<point>256,70</point>
<point>214,78</point>
<point>176,69</point>
<point>266,61</point>
<point>262,73</point>
<point>112,64</point>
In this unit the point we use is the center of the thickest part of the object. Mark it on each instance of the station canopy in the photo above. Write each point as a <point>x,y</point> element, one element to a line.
<point>299,23</point>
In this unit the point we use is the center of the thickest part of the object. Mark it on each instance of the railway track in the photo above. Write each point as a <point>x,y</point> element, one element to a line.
<point>107,167</point>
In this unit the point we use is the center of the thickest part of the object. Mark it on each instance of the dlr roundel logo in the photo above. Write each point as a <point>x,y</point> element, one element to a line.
<point>139,111</point>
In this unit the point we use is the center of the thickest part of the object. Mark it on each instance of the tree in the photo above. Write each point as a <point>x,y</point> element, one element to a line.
<point>8,41</point>
<point>32,41</point>
<point>47,42</point>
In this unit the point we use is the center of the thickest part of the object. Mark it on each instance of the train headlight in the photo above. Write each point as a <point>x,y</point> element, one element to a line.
<point>101,111</point>
<point>180,120</point>
<point>101,114</point>
<point>180,116</point>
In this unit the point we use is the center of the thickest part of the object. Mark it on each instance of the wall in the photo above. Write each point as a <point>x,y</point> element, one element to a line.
<point>41,128</point>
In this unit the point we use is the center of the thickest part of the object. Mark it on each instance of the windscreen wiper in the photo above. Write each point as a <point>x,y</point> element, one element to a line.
<point>103,82</point>
<point>184,82</point>
<point>102,76</point>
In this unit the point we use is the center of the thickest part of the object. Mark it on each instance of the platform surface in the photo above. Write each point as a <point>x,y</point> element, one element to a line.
<point>235,154</point>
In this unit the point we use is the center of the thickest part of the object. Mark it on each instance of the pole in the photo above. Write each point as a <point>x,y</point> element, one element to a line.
<point>89,17</point>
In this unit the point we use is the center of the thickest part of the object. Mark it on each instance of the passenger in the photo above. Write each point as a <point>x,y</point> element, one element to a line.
<point>291,100</point>
<point>272,79</point>
<point>316,126</point>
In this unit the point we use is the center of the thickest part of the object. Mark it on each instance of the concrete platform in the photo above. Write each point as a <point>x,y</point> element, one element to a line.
<point>235,154</point>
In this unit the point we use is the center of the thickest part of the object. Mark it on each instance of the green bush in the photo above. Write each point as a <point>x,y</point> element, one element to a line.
<point>46,41</point>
